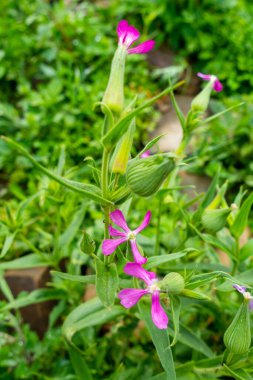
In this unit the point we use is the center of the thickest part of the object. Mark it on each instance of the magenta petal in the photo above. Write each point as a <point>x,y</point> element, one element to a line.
<point>118,218</point>
<point>109,245</point>
<point>131,36</point>
<point>146,154</point>
<point>122,30</point>
<point>136,270</point>
<point>114,232</point>
<point>239,288</point>
<point>138,258</point>
<point>142,48</point>
<point>251,304</point>
<point>144,223</point>
<point>129,297</point>
<point>217,86</point>
<point>204,76</point>
<point>159,316</point>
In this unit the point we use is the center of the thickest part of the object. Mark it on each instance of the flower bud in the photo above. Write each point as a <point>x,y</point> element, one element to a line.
<point>237,337</point>
<point>87,244</point>
<point>114,93</point>
<point>215,220</point>
<point>173,283</point>
<point>123,149</point>
<point>201,101</point>
<point>144,177</point>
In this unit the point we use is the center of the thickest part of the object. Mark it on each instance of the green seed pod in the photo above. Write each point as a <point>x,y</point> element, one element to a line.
<point>237,337</point>
<point>145,176</point>
<point>215,220</point>
<point>87,244</point>
<point>172,283</point>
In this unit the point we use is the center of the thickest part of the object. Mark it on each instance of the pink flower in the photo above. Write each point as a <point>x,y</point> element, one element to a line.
<point>246,295</point>
<point>129,297</point>
<point>145,154</point>
<point>217,85</point>
<point>128,34</point>
<point>109,245</point>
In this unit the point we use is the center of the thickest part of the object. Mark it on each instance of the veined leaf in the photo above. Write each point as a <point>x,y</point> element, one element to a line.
<point>90,191</point>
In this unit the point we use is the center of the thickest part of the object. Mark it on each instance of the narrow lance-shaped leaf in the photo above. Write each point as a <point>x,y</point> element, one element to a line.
<point>90,191</point>
<point>241,218</point>
<point>175,304</point>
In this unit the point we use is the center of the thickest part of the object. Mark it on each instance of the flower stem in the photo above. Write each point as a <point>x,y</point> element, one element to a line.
<point>157,242</point>
<point>104,185</point>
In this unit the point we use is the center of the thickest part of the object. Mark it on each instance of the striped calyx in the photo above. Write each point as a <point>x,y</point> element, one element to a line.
<point>145,176</point>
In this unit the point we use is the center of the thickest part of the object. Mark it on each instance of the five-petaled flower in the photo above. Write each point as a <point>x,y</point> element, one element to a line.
<point>217,85</point>
<point>129,297</point>
<point>128,34</point>
<point>247,296</point>
<point>109,245</point>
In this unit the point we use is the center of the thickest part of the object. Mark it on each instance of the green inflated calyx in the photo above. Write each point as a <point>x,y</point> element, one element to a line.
<point>114,93</point>
<point>237,337</point>
<point>215,220</point>
<point>144,176</point>
<point>172,283</point>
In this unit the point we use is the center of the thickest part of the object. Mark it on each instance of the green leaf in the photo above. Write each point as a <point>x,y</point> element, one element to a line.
<point>175,304</point>
<point>190,339</point>
<point>241,218</point>
<point>246,251</point>
<point>70,233</point>
<point>24,204</point>
<point>111,138</point>
<point>79,364</point>
<point>212,240</point>
<point>29,261</point>
<point>83,279</point>
<point>107,282</point>
<point>79,313</point>
<point>208,197</point>
<point>161,341</point>
<point>91,313</point>
<point>192,294</point>
<point>205,278</point>
<point>213,117</point>
<point>156,261</point>
<point>39,295</point>
<point>237,374</point>
<point>90,191</point>
<point>150,144</point>
<point>8,243</point>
